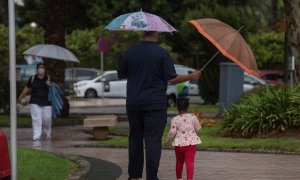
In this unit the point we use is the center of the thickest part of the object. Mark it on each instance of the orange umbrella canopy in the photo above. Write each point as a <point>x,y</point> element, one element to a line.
<point>229,42</point>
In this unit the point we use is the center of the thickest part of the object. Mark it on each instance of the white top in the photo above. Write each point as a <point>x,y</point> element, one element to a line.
<point>184,126</point>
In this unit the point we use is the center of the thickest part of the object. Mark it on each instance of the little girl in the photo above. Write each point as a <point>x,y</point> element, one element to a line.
<point>184,126</point>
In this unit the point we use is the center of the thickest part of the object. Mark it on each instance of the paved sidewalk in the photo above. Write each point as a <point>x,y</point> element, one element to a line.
<point>110,163</point>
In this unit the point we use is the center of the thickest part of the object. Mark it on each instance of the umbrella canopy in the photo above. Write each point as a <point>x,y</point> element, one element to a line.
<point>140,21</point>
<point>51,51</point>
<point>229,42</point>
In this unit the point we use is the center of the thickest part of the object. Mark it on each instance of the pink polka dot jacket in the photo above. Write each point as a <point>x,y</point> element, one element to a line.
<point>184,128</point>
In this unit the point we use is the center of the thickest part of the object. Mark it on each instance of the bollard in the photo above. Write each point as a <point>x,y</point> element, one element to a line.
<point>4,158</point>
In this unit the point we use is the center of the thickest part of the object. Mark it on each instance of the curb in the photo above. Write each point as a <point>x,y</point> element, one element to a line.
<point>259,151</point>
<point>82,171</point>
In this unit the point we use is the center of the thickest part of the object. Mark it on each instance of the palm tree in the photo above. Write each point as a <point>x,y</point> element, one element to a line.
<point>4,12</point>
<point>55,34</point>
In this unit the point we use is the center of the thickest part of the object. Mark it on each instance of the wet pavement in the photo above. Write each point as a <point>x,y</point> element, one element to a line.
<point>111,163</point>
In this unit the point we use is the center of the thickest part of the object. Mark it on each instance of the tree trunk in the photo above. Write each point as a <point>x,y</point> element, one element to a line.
<point>292,10</point>
<point>55,34</point>
<point>274,14</point>
<point>4,12</point>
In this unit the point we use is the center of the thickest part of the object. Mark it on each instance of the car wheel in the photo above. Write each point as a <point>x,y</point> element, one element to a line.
<point>90,93</point>
<point>171,101</point>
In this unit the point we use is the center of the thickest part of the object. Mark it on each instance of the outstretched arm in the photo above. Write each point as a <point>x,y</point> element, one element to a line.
<point>189,77</point>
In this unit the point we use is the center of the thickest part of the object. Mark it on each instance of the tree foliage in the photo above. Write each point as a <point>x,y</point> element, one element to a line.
<point>268,48</point>
<point>84,44</point>
<point>25,38</point>
<point>4,85</point>
<point>85,21</point>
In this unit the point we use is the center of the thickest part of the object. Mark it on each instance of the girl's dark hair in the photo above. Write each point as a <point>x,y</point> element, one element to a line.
<point>182,104</point>
<point>39,64</point>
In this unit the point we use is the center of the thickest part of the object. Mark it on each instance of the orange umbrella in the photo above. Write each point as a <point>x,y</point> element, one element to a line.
<point>229,42</point>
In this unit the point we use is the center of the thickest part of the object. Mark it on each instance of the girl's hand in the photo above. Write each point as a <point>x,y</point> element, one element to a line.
<point>167,141</point>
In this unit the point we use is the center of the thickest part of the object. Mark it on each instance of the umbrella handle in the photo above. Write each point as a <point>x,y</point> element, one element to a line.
<point>209,61</point>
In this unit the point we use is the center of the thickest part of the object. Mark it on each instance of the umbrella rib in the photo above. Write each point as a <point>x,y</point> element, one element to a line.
<point>223,36</point>
<point>65,55</point>
<point>240,44</point>
<point>239,52</point>
<point>234,31</point>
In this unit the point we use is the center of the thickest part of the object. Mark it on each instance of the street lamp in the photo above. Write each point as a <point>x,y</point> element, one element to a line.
<point>33,24</point>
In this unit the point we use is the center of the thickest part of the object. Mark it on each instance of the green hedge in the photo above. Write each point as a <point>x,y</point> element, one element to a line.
<point>259,114</point>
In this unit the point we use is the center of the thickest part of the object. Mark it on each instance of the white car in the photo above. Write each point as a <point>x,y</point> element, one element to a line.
<point>251,82</point>
<point>113,86</point>
<point>193,88</point>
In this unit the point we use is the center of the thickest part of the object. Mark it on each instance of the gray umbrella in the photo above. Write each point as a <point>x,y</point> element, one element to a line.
<point>51,51</point>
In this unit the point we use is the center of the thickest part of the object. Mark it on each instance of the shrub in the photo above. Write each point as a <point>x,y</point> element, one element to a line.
<point>272,110</point>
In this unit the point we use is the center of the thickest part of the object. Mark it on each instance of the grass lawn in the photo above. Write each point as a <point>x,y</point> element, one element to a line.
<point>211,140</point>
<point>33,164</point>
<point>25,121</point>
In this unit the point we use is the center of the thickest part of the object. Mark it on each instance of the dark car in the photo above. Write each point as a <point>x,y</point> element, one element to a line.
<point>274,77</point>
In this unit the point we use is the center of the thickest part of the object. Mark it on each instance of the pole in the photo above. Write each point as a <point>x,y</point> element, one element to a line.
<point>102,69</point>
<point>12,75</point>
<point>291,69</point>
<point>291,79</point>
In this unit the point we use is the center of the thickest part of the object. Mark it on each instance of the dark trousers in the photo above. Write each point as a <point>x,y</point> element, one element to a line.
<point>145,125</point>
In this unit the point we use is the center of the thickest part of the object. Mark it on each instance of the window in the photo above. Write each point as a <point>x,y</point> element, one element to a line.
<point>248,79</point>
<point>111,77</point>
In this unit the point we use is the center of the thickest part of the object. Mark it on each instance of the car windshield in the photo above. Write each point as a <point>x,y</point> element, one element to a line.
<point>97,75</point>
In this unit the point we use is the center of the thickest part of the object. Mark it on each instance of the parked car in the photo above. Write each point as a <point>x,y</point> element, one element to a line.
<point>274,77</point>
<point>76,74</point>
<point>25,71</point>
<point>114,87</point>
<point>193,88</point>
<point>251,82</point>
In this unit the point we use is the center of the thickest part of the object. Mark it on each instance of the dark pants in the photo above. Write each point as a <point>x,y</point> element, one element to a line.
<point>148,125</point>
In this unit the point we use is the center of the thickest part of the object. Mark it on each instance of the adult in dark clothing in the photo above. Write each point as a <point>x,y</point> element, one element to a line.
<point>148,68</point>
<point>40,106</point>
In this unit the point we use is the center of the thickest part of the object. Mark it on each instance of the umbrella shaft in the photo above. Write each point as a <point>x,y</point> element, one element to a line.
<point>210,60</point>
